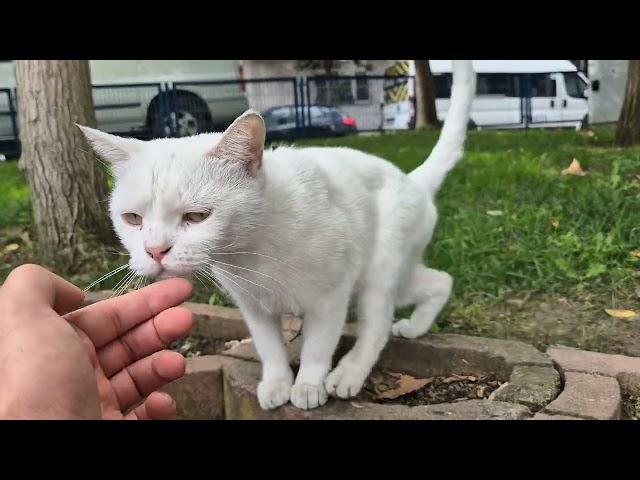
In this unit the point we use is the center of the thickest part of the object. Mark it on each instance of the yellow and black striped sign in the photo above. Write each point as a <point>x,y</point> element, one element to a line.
<point>399,91</point>
<point>398,69</point>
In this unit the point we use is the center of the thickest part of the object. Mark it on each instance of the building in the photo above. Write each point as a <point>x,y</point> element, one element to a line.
<point>357,94</point>
<point>608,80</point>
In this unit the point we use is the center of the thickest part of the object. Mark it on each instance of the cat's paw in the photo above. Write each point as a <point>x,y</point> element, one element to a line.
<point>405,329</point>
<point>306,396</point>
<point>272,394</point>
<point>346,380</point>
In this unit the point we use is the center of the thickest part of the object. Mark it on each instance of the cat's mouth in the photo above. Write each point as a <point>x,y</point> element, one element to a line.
<point>165,274</point>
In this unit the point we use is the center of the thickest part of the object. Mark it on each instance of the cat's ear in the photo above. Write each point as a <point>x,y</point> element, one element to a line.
<point>113,149</point>
<point>243,141</point>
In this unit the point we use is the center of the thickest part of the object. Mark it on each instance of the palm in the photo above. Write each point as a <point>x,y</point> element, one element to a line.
<point>126,338</point>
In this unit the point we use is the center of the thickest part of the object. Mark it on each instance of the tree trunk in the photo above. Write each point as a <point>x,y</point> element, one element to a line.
<point>426,116</point>
<point>68,186</point>
<point>628,131</point>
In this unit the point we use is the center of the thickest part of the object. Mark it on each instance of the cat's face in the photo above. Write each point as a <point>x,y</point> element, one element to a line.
<point>177,201</point>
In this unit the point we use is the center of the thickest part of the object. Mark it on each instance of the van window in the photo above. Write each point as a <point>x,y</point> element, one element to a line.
<point>574,84</point>
<point>542,85</point>
<point>442,83</point>
<point>506,84</point>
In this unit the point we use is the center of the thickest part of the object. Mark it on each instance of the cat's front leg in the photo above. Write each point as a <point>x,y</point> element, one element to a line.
<point>321,332</point>
<point>274,389</point>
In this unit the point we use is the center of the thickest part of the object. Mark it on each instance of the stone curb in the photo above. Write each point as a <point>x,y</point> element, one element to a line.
<point>593,382</point>
<point>625,369</point>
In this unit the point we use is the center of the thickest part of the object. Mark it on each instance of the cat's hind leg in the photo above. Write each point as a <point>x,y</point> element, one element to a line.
<point>429,291</point>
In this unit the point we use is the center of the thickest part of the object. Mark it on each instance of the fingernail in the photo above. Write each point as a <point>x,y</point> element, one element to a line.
<point>167,399</point>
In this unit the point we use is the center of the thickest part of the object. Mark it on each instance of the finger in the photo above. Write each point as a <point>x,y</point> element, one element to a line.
<point>147,375</point>
<point>157,406</point>
<point>32,287</point>
<point>107,320</point>
<point>145,339</point>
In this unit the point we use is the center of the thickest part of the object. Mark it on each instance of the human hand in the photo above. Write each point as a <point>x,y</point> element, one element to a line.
<point>96,362</point>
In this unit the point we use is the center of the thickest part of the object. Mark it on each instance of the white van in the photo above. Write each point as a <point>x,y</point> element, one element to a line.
<point>124,104</point>
<point>557,94</point>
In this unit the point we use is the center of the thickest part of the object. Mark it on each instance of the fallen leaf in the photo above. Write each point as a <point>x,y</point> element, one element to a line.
<point>621,314</point>
<point>356,405</point>
<point>574,169</point>
<point>12,247</point>
<point>555,222</point>
<point>480,391</point>
<point>405,384</point>
<point>499,389</point>
<point>494,213</point>
<point>635,253</point>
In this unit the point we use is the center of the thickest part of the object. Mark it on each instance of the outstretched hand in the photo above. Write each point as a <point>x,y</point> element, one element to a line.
<point>107,360</point>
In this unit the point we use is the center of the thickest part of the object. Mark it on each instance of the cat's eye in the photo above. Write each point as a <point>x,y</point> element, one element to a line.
<point>195,217</point>
<point>132,218</point>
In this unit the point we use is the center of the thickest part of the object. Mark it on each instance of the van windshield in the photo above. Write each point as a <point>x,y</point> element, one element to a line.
<point>574,84</point>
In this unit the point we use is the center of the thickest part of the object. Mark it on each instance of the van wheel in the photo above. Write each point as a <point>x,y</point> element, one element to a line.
<point>190,116</point>
<point>472,125</point>
<point>585,122</point>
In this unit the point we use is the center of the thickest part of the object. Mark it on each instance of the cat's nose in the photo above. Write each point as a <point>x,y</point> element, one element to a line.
<point>157,253</point>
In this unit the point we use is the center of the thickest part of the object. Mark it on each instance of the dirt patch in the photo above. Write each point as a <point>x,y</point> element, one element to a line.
<point>545,320</point>
<point>196,345</point>
<point>395,388</point>
<point>631,407</point>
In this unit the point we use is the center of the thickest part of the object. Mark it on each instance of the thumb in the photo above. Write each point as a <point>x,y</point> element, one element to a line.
<point>34,287</point>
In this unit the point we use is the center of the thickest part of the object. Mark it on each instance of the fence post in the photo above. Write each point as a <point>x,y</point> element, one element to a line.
<point>527,99</point>
<point>308,106</point>
<point>296,104</point>
<point>14,124</point>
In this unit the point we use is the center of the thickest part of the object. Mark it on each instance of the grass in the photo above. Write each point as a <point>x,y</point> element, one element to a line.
<point>15,207</point>
<point>550,255</point>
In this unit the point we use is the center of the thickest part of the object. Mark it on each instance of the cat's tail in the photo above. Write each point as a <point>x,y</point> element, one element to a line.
<point>450,146</point>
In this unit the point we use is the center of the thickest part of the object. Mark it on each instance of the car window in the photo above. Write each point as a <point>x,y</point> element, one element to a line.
<point>278,116</point>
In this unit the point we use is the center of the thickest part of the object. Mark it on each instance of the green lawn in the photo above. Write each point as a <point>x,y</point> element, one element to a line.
<point>15,208</point>
<point>554,253</point>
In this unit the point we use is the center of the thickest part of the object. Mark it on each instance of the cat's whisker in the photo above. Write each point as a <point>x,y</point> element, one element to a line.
<point>119,290</point>
<point>220,272</point>
<point>196,274</point>
<point>105,276</point>
<point>304,274</point>
<point>248,270</point>
<point>285,290</point>
<point>242,278</point>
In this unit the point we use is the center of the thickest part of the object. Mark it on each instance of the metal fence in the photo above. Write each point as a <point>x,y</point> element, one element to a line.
<point>9,140</point>
<point>292,107</point>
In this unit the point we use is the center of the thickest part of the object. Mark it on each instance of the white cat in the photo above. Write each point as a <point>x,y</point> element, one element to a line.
<point>291,230</point>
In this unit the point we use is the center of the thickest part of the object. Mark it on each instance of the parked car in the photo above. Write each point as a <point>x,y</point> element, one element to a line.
<point>288,121</point>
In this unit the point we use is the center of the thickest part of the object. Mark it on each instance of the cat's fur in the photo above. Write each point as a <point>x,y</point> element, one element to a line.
<point>303,231</point>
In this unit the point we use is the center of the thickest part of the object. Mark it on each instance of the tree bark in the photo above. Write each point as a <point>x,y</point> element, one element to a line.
<point>628,130</point>
<point>68,186</point>
<point>426,116</point>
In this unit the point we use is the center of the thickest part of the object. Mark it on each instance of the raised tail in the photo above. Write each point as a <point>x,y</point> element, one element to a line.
<point>450,146</point>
